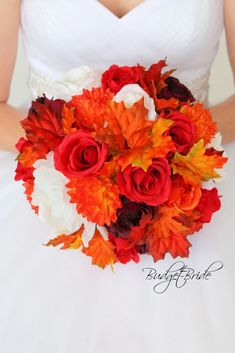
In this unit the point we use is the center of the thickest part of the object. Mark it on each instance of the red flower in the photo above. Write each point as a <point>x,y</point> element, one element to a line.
<point>208,204</point>
<point>182,132</point>
<point>22,172</point>
<point>124,251</point>
<point>127,217</point>
<point>79,155</point>
<point>118,76</point>
<point>175,89</point>
<point>152,187</point>
<point>43,124</point>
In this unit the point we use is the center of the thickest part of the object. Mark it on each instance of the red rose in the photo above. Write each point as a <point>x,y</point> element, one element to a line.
<point>182,132</point>
<point>208,204</point>
<point>118,76</point>
<point>152,187</point>
<point>124,251</point>
<point>79,155</point>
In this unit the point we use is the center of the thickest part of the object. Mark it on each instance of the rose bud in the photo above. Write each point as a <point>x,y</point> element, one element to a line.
<point>79,155</point>
<point>118,76</point>
<point>151,187</point>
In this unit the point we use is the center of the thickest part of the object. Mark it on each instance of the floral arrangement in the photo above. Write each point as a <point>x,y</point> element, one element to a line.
<point>121,168</point>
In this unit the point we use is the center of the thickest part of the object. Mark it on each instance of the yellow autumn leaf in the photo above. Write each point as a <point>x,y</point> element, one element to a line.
<point>196,166</point>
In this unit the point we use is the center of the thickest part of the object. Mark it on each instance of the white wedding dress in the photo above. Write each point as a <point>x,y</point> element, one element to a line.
<point>55,301</point>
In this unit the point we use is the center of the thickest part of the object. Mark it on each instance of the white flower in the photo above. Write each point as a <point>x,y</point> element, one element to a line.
<point>72,83</point>
<point>82,77</point>
<point>216,142</point>
<point>132,93</point>
<point>50,195</point>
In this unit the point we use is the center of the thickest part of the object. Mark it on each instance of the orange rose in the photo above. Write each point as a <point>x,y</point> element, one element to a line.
<point>185,197</point>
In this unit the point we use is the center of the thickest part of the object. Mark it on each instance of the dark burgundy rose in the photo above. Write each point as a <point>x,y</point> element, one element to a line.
<point>176,90</point>
<point>127,217</point>
<point>182,132</point>
<point>118,76</point>
<point>142,248</point>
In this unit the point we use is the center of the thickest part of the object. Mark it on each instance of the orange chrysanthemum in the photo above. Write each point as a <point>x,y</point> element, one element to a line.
<point>201,117</point>
<point>91,107</point>
<point>95,199</point>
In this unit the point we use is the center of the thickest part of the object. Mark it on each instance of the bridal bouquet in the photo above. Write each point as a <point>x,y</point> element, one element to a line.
<point>121,168</point>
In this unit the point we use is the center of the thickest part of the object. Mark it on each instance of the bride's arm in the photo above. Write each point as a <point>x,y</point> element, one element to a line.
<point>10,129</point>
<point>224,113</point>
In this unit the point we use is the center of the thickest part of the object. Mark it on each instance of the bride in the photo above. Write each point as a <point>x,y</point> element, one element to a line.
<point>56,302</point>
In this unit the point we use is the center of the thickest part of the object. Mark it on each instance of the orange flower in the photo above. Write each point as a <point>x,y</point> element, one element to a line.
<point>185,197</point>
<point>91,108</point>
<point>201,117</point>
<point>96,199</point>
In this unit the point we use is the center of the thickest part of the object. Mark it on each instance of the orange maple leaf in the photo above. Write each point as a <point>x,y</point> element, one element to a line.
<point>101,251</point>
<point>133,121</point>
<point>162,144</point>
<point>155,145</point>
<point>32,153</point>
<point>67,119</point>
<point>201,117</point>
<point>167,234</point>
<point>29,188</point>
<point>72,241</point>
<point>196,166</point>
<point>166,104</point>
<point>43,125</point>
<point>137,157</point>
<point>96,199</point>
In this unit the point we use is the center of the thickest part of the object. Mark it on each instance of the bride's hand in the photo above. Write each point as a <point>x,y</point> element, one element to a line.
<point>10,129</point>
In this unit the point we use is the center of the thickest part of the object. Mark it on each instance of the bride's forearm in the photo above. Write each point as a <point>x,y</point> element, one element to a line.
<point>10,128</point>
<point>224,115</point>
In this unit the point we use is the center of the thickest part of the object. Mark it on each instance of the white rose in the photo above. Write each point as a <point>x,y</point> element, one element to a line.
<point>50,195</point>
<point>132,93</point>
<point>82,77</point>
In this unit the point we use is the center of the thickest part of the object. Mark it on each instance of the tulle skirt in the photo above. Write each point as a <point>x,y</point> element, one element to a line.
<point>54,301</point>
